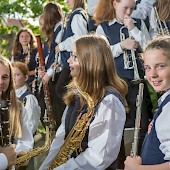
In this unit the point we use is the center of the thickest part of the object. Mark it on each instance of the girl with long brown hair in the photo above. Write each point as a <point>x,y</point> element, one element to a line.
<point>93,70</point>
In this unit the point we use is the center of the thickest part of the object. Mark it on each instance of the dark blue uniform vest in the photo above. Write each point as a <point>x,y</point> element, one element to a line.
<point>113,35</point>
<point>71,117</point>
<point>151,154</point>
<point>51,51</point>
<point>32,63</point>
<point>22,98</point>
<point>65,55</point>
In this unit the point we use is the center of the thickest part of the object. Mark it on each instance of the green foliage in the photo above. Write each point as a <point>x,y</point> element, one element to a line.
<point>22,10</point>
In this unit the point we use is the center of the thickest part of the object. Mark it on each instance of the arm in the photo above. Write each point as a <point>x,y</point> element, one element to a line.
<point>135,164</point>
<point>56,144</point>
<point>25,143</point>
<point>142,36</point>
<point>34,112</point>
<point>105,134</point>
<point>79,28</point>
<point>143,9</point>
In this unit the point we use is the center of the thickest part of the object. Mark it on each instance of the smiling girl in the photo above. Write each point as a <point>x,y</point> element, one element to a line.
<point>156,147</point>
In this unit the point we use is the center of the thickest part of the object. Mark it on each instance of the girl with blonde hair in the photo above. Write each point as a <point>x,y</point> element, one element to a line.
<point>20,133</point>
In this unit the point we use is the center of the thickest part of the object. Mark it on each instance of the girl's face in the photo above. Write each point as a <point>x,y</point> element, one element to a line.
<point>123,8</point>
<point>157,69</point>
<point>74,65</point>
<point>19,78</point>
<point>4,78</point>
<point>24,38</point>
<point>70,3</point>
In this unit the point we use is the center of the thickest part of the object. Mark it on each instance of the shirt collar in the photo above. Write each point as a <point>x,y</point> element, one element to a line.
<point>162,98</point>
<point>21,90</point>
<point>115,20</point>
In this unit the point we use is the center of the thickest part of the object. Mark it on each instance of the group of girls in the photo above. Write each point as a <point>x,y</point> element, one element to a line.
<point>97,67</point>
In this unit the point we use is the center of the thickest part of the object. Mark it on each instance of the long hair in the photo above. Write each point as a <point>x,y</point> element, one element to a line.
<point>79,4</point>
<point>15,106</point>
<point>160,43</point>
<point>104,11</point>
<point>97,69</point>
<point>52,15</point>
<point>17,48</point>
<point>163,9</point>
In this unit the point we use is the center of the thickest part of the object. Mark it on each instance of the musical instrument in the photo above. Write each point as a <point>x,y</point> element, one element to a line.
<point>162,28</point>
<point>27,59</point>
<point>37,151</point>
<point>48,104</point>
<point>126,58</point>
<point>73,141</point>
<point>45,85</point>
<point>4,123</point>
<point>57,61</point>
<point>35,86</point>
<point>139,100</point>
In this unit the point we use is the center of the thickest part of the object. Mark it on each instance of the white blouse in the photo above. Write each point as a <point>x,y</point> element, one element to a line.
<point>79,28</point>
<point>163,128</point>
<point>32,107</point>
<point>104,139</point>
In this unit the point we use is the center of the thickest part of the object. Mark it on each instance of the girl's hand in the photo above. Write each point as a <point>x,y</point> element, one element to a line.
<point>128,22</point>
<point>46,78</point>
<point>133,163</point>
<point>57,50</point>
<point>129,44</point>
<point>41,72</point>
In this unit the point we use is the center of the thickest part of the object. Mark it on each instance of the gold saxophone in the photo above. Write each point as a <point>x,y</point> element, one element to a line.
<point>73,141</point>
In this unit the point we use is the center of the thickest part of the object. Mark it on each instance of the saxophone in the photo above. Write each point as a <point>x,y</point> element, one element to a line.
<point>73,141</point>
<point>37,151</point>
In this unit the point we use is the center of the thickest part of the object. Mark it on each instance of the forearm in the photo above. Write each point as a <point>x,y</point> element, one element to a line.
<point>164,166</point>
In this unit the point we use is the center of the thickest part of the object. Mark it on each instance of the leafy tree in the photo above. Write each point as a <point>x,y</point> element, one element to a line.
<point>20,10</point>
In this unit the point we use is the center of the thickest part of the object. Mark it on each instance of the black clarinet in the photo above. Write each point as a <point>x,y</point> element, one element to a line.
<point>5,123</point>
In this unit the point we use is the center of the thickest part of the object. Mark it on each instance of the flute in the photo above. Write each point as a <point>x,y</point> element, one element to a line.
<point>139,100</point>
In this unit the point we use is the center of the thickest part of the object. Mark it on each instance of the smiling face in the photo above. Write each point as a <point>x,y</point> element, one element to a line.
<point>123,8</point>
<point>74,65</point>
<point>4,78</point>
<point>157,69</point>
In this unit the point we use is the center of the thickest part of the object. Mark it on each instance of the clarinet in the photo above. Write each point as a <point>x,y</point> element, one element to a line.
<point>5,123</point>
<point>57,66</point>
<point>139,100</point>
<point>35,87</point>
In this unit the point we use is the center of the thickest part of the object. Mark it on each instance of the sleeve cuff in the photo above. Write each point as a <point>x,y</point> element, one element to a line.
<point>134,31</point>
<point>50,72</point>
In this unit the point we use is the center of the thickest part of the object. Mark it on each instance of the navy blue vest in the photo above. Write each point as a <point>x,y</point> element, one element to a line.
<point>22,98</point>
<point>65,55</point>
<point>113,35</point>
<point>73,112</point>
<point>151,154</point>
<point>32,63</point>
<point>51,51</point>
